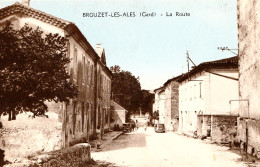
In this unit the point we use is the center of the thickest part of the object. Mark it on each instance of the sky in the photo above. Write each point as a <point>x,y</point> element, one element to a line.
<point>153,48</point>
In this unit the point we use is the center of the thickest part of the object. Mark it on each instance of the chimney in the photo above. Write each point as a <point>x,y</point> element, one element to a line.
<point>98,45</point>
<point>26,3</point>
<point>99,49</point>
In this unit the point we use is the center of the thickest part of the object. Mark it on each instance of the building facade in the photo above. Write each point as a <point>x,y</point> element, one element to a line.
<point>249,62</point>
<point>156,104</point>
<point>162,113</point>
<point>171,121</point>
<point>205,99</point>
<point>87,70</point>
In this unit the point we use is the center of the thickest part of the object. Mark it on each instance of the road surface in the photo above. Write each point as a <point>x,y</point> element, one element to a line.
<point>149,149</point>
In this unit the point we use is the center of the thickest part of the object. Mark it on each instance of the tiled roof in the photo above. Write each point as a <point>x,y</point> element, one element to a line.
<point>116,106</point>
<point>227,63</point>
<point>18,8</point>
<point>230,60</point>
<point>172,79</point>
<point>158,89</point>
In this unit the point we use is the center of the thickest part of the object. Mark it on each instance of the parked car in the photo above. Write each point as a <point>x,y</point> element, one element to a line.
<point>160,128</point>
<point>127,127</point>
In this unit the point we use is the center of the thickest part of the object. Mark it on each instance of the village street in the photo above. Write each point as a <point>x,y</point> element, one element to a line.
<point>148,149</point>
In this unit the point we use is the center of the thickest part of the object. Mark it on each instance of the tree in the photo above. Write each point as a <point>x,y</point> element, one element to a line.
<point>147,102</point>
<point>32,70</point>
<point>126,89</point>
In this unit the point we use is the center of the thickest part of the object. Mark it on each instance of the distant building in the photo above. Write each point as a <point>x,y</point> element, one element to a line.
<point>118,115</point>
<point>87,69</point>
<point>171,120</point>
<point>162,113</point>
<point>249,72</point>
<point>204,99</point>
<point>158,104</point>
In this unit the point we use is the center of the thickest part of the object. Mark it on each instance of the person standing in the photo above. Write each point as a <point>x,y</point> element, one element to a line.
<point>98,137</point>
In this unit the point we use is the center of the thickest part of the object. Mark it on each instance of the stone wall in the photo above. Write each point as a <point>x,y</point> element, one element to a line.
<point>223,126</point>
<point>25,136</point>
<point>171,106</point>
<point>75,156</point>
<point>175,105</point>
<point>249,135</point>
<point>249,71</point>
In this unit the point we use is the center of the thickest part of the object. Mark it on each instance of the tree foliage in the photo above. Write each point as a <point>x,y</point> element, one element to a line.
<point>126,89</point>
<point>32,70</point>
<point>147,102</point>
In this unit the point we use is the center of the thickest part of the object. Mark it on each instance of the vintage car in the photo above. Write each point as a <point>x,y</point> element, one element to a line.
<point>127,127</point>
<point>160,128</point>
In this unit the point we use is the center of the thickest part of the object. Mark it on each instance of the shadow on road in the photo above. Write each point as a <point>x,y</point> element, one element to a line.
<point>127,140</point>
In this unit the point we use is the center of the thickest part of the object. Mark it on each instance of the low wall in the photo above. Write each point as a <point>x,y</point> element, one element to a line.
<point>26,137</point>
<point>77,155</point>
<point>223,126</point>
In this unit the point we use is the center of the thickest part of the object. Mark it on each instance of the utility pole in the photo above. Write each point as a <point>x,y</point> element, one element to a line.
<point>189,60</point>
<point>188,64</point>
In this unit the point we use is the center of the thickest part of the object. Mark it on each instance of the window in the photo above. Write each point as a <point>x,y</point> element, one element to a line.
<point>92,75</point>
<point>75,61</point>
<point>86,71</point>
<point>100,85</point>
<point>83,69</point>
<point>89,73</point>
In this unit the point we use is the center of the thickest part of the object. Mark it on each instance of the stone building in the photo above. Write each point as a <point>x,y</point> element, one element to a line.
<point>166,102</point>
<point>118,115</point>
<point>87,69</point>
<point>171,121</point>
<point>204,99</point>
<point>249,71</point>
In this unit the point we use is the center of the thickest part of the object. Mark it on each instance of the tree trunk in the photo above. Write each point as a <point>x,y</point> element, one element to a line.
<point>13,115</point>
<point>9,116</point>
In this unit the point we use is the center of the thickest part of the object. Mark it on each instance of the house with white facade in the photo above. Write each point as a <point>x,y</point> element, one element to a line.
<point>158,104</point>
<point>205,95</point>
<point>162,113</point>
